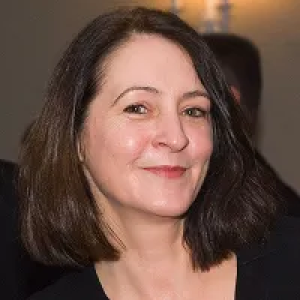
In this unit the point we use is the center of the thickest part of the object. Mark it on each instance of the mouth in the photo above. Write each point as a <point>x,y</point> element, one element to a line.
<point>171,172</point>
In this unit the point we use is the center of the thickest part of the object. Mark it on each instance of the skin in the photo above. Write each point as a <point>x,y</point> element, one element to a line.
<point>145,148</point>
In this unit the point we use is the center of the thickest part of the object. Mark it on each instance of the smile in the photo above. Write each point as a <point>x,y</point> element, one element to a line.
<point>171,172</point>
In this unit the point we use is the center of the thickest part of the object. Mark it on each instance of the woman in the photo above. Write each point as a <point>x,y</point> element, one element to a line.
<point>139,170</point>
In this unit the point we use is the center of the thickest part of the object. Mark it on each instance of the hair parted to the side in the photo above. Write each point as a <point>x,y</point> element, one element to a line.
<point>62,224</point>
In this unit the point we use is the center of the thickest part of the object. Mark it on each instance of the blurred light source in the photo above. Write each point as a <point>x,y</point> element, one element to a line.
<point>175,7</point>
<point>217,14</point>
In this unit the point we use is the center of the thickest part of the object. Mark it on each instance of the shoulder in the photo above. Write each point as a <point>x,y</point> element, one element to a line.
<point>283,243</point>
<point>7,176</point>
<point>8,196</point>
<point>77,285</point>
<point>274,266</point>
<point>6,165</point>
<point>285,247</point>
<point>286,232</point>
<point>7,170</point>
<point>282,263</point>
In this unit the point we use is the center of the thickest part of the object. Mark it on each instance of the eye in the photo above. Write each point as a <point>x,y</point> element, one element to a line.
<point>136,109</point>
<point>195,112</point>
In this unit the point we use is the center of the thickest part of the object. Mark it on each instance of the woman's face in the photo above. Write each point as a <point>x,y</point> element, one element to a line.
<point>147,138</point>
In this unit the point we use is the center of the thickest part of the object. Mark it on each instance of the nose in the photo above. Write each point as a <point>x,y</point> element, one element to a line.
<point>170,133</point>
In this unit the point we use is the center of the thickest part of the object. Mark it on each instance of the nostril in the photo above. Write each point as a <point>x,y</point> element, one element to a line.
<point>170,132</point>
<point>174,140</point>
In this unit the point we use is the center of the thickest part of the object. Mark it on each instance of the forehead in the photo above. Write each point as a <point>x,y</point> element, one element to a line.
<point>150,58</point>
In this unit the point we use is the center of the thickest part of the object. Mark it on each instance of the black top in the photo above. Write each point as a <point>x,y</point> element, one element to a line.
<point>265,272</point>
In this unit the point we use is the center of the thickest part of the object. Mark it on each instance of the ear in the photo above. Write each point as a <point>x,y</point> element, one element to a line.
<point>236,93</point>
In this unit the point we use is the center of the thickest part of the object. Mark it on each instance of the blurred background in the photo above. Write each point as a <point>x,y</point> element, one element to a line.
<point>34,33</point>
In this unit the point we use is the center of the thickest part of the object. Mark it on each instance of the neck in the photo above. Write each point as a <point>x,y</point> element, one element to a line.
<point>153,250</point>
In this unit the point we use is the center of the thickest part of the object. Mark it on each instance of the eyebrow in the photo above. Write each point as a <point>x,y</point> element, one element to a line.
<point>187,95</point>
<point>136,88</point>
<point>194,94</point>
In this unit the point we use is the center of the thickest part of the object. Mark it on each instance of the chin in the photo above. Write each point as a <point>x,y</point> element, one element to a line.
<point>171,210</point>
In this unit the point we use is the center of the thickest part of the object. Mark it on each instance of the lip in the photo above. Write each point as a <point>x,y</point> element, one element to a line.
<point>171,172</point>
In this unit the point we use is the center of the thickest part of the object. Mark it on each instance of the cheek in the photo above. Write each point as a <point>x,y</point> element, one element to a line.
<point>110,149</point>
<point>201,142</point>
<point>122,141</point>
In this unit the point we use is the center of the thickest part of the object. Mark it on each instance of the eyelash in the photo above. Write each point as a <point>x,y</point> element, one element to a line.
<point>200,112</point>
<point>193,112</point>
<point>134,109</point>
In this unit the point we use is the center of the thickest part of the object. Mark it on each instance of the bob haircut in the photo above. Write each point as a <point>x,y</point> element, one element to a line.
<point>61,223</point>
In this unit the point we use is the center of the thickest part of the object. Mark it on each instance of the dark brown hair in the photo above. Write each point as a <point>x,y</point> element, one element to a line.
<point>241,63</point>
<point>60,220</point>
